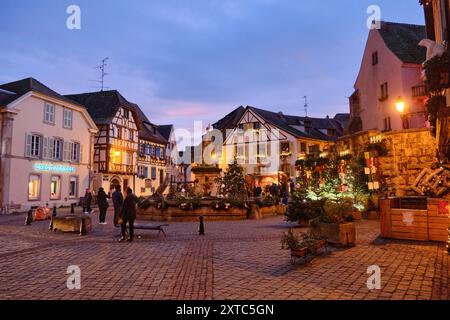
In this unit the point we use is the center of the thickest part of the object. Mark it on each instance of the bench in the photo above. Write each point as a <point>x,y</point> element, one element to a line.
<point>158,228</point>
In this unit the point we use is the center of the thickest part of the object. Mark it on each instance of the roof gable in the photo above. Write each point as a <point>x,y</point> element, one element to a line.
<point>403,40</point>
<point>19,88</point>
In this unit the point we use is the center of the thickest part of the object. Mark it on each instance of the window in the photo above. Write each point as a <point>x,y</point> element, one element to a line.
<point>67,118</point>
<point>126,113</point>
<point>375,58</point>
<point>49,113</point>
<point>72,152</point>
<point>55,188</point>
<point>257,126</point>
<point>387,124</point>
<point>75,156</point>
<point>148,150</point>
<point>34,187</point>
<point>161,177</point>
<point>127,158</point>
<point>285,147</point>
<point>314,148</point>
<point>158,152</point>
<point>141,149</point>
<point>384,91</point>
<point>331,132</point>
<point>303,147</point>
<point>33,145</point>
<point>73,187</point>
<point>143,172</point>
<point>55,149</point>
<point>153,173</point>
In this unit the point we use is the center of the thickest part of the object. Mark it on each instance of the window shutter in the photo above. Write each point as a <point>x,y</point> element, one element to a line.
<point>45,153</point>
<point>66,153</point>
<point>28,145</point>
<point>81,153</point>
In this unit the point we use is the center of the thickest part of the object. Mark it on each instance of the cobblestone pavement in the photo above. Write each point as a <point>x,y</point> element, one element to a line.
<point>235,260</point>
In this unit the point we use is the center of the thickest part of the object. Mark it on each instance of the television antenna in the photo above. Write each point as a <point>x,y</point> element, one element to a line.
<point>102,68</point>
<point>306,105</point>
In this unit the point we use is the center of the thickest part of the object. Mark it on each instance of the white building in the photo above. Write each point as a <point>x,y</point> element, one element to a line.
<point>46,147</point>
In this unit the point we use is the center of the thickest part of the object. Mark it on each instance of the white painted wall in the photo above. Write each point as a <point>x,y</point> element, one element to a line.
<point>30,118</point>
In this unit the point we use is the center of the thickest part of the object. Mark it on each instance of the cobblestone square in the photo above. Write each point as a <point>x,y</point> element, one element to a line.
<point>235,260</point>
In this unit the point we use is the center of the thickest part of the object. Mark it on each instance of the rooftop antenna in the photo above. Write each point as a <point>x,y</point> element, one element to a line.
<point>306,105</point>
<point>102,68</point>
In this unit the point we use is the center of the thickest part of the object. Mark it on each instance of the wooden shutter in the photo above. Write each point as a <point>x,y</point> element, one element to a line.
<point>67,151</point>
<point>28,142</point>
<point>45,153</point>
<point>81,153</point>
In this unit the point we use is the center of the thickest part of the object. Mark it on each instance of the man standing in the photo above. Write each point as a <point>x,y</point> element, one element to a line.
<point>117,199</point>
<point>102,200</point>
<point>128,215</point>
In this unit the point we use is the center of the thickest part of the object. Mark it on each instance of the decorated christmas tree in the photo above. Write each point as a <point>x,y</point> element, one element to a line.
<point>233,182</point>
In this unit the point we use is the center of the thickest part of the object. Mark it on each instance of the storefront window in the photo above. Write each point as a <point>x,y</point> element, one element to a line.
<point>34,187</point>
<point>73,187</point>
<point>55,191</point>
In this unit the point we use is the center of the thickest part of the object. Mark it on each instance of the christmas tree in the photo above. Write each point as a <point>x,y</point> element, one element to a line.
<point>233,182</point>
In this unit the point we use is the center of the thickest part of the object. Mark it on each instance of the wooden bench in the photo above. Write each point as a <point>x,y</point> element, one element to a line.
<point>158,228</point>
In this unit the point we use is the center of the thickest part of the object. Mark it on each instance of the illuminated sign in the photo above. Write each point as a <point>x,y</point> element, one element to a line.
<point>53,168</point>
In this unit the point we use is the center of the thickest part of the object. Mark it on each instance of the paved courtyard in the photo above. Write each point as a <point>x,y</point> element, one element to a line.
<point>235,260</point>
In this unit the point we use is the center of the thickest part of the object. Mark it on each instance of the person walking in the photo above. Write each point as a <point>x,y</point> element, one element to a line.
<point>117,199</point>
<point>87,201</point>
<point>128,215</point>
<point>102,200</point>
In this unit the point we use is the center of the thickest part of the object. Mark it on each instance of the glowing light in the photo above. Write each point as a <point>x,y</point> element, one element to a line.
<point>53,168</point>
<point>400,105</point>
<point>117,153</point>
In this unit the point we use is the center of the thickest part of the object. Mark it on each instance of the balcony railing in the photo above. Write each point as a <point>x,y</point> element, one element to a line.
<point>419,91</point>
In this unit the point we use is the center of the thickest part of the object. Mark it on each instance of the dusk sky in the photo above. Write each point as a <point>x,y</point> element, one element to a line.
<point>197,60</point>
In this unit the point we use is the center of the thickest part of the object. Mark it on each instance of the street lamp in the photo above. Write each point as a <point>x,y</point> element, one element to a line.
<point>400,105</point>
<point>401,108</point>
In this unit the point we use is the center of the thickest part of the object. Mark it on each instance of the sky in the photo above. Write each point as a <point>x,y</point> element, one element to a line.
<point>184,61</point>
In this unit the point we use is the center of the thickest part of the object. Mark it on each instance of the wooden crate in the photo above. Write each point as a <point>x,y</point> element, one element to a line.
<point>402,223</point>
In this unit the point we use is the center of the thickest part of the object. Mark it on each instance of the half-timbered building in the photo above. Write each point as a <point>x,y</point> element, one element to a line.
<point>268,144</point>
<point>152,176</point>
<point>116,147</point>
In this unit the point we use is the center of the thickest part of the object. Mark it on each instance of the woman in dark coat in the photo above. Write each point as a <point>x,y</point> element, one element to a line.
<point>87,201</point>
<point>102,200</point>
<point>128,215</point>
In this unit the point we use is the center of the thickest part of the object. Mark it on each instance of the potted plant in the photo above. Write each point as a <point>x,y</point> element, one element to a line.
<point>302,245</point>
<point>302,209</point>
<point>336,223</point>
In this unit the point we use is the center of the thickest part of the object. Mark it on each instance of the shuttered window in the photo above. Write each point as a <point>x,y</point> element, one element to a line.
<point>49,113</point>
<point>67,118</point>
<point>33,145</point>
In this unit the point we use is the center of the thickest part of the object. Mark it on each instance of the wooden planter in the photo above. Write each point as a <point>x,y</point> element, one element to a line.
<point>404,220</point>
<point>308,252</point>
<point>340,234</point>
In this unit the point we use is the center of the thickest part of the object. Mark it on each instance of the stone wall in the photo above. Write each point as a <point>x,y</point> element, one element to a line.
<point>409,152</point>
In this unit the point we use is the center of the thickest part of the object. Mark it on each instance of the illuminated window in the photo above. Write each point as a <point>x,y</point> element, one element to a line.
<point>73,187</point>
<point>55,188</point>
<point>34,187</point>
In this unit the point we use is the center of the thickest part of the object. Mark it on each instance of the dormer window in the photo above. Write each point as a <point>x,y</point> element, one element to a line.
<point>308,126</point>
<point>331,132</point>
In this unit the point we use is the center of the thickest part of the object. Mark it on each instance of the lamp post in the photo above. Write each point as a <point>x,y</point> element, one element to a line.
<point>402,109</point>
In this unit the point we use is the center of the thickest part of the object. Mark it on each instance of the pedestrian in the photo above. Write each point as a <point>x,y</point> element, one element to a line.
<point>117,199</point>
<point>102,201</point>
<point>87,201</point>
<point>128,215</point>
